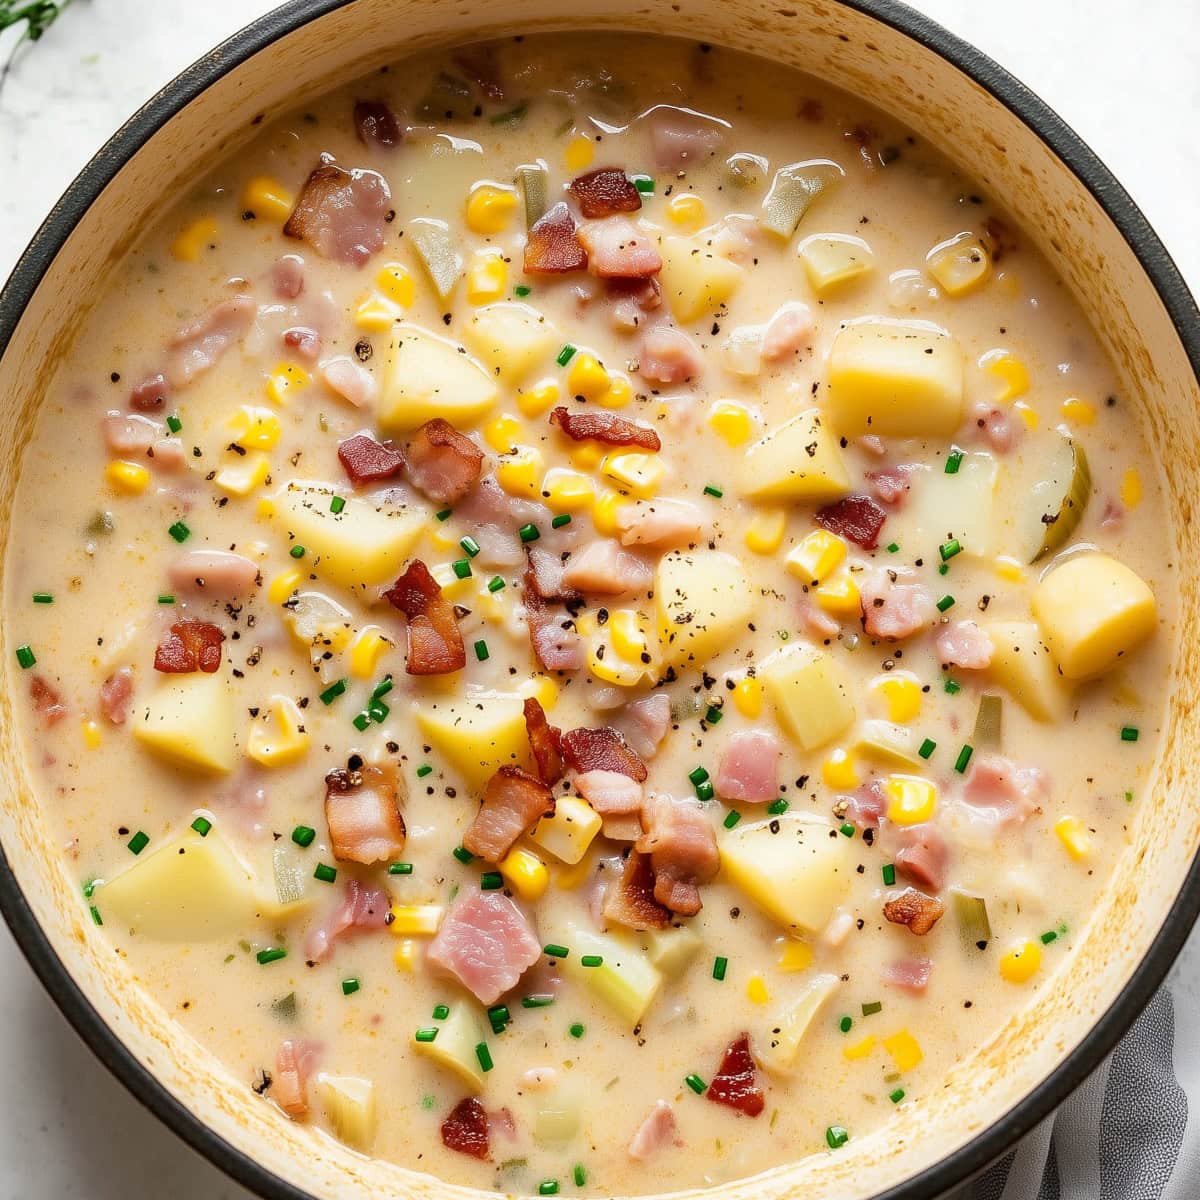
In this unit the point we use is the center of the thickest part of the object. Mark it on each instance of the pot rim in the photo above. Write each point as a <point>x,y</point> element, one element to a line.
<point>986,1147</point>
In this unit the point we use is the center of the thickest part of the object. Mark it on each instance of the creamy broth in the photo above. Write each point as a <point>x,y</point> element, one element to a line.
<point>926,704</point>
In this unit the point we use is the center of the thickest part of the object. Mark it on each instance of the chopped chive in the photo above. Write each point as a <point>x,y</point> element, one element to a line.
<point>836,1136</point>
<point>427,1102</point>
<point>512,116</point>
<point>43,598</point>
<point>944,569</point>
<point>1129,733</point>
<point>361,721</point>
<point>97,919</point>
<point>896,1096</point>
<point>426,1035</point>
<point>138,842</point>
<point>927,747</point>
<point>592,960</point>
<point>491,881</point>
<point>945,603</point>
<point>441,1012</point>
<point>179,531</point>
<point>1128,797</point>
<point>576,1030</point>
<point>174,424</point>
<point>698,775</point>
<point>705,791</point>
<point>350,986</point>
<point>332,692</point>
<point>953,462</point>
<point>336,505</point>
<point>580,1175</point>
<point>893,547</point>
<point>720,966</point>
<point>496,584</point>
<point>461,568</point>
<point>1049,936</point>
<point>498,1014</point>
<point>561,520</point>
<point>303,835</point>
<point>889,874</point>
<point>845,1024</point>
<point>382,688</point>
<point>481,650</point>
<point>423,770</point>
<point>88,888</point>
<point>400,868</point>
<point>777,806</point>
<point>846,829</point>
<point>949,549</point>
<point>539,1001</point>
<point>712,714</point>
<point>463,855</point>
<point>274,954</point>
<point>445,514</point>
<point>166,598</point>
<point>712,490</point>
<point>378,711</point>
<point>952,688</point>
<point>964,757</point>
<point>469,545</point>
<point>548,1187</point>
<point>26,657</point>
<point>555,950</point>
<point>202,825</point>
<point>732,817</point>
<point>643,183</point>
<point>565,355</point>
<point>872,1007</point>
<point>522,290</point>
<point>696,1084</point>
<point>325,873</point>
<point>297,551</point>
<point>529,533</point>
<point>484,1055</point>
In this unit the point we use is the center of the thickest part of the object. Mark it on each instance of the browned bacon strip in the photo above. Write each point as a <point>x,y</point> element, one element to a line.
<point>465,1128</point>
<point>545,575</point>
<point>513,802</point>
<point>555,647</point>
<point>552,246</point>
<point>858,518</point>
<point>435,645</point>
<point>545,741</point>
<point>362,810</point>
<point>604,427</point>
<point>605,192</point>
<point>601,749</point>
<point>443,463</point>
<point>630,902</point>
<point>367,460</point>
<point>189,646</point>
<point>736,1082</point>
<point>683,852</point>
<point>919,912</point>
<point>376,124</point>
<point>341,214</point>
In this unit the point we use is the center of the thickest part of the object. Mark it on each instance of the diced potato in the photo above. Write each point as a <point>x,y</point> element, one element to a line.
<point>557,1119</point>
<point>454,1045</point>
<point>962,506</point>
<point>1023,665</point>
<point>797,461</point>
<point>887,743</point>
<point>626,980</point>
<point>426,377</point>
<point>350,1105</point>
<point>810,692</point>
<point>834,259</point>
<point>960,264</point>
<point>477,735</point>
<point>359,546</point>
<point>895,379</point>
<point>673,948</point>
<point>1093,610</point>
<point>188,721</point>
<point>797,876</point>
<point>568,834</point>
<point>703,599</point>
<point>778,1044</point>
<point>280,740</point>
<point>510,339</point>
<point>694,280</point>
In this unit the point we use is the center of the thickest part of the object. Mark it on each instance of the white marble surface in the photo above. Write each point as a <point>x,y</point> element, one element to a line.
<point>1126,77</point>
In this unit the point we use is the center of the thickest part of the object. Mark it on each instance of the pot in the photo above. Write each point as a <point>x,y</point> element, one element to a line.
<point>1001,135</point>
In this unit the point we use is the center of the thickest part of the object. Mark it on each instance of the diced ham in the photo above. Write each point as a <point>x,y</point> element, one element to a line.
<point>116,692</point>
<point>682,849</point>
<point>435,644</point>
<point>47,702</point>
<point>644,723</point>
<point>610,793</point>
<point>788,331</point>
<point>915,910</point>
<point>486,943</point>
<point>605,192</point>
<point>361,909</point>
<point>198,346</point>
<point>552,246</point>
<point>656,1131</point>
<point>289,1086</point>
<point>908,974</point>
<point>219,573</point>
<point>376,124</point>
<point>664,524</point>
<point>631,300</point>
<point>923,855</point>
<point>545,742</point>
<point>681,137</point>
<point>465,1129</point>
<point>748,770</point>
<point>604,427</point>
<point>362,810</point>
<point>890,485</point>
<point>997,788</point>
<point>857,518</point>
<point>168,454</point>
<point>189,646</point>
<point>818,623</point>
<point>617,249</point>
<point>341,214</point>
<point>602,568</point>
<point>630,901</point>
<point>601,749</point>
<point>1113,516</point>
<point>556,647</point>
<point>963,644</point>
<point>893,609</point>
<point>367,460</point>
<point>546,576</point>
<point>999,429</point>
<point>287,276</point>
<point>150,394</point>
<point>668,355</point>
<point>513,803</point>
<point>872,443</point>
<point>736,1082</point>
<point>443,463</point>
<point>130,436</point>
<point>348,378</point>
<point>303,342</point>
<point>866,807</point>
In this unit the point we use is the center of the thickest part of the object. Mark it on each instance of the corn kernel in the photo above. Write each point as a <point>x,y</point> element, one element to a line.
<point>525,873</point>
<point>367,649</point>
<point>618,395</point>
<point>910,800</point>
<point>860,1049</point>
<point>686,209</point>
<point>960,265</point>
<point>538,399</point>
<point>254,428</point>
<point>542,688</point>
<point>587,377</point>
<point>1131,488</point>
<point>131,478</point>
<point>901,696</point>
<point>280,740</point>
<point>267,197</point>
<point>1078,412</point>
<point>1027,414</point>
<point>795,956</point>
<point>415,920</point>
<point>1011,373</point>
<point>490,208</point>
<point>405,957</point>
<point>190,244</point>
<point>285,378</point>
<point>395,283</point>
<point>503,433</point>
<point>565,490</point>
<point>731,421</point>
<point>756,990</point>
<point>579,153</point>
<point>605,664</point>
<point>1010,569</point>
<point>628,635</point>
<point>839,772</point>
<point>91,734</point>
<point>604,512</point>
<point>904,1049</point>
<point>487,277</point>
<point>816,557</point>
<point>748,698</point>
<point>241,476</point>
<point>283,585</point>
<point>1074,836</point>
<point>839,597</point>
<point>1021,963</point>
<point>587,456</point>
<point>377,315</point>
<point>520,473</point>
<point>764,534</point>
<point>639,473</point>
<point>265,509</point>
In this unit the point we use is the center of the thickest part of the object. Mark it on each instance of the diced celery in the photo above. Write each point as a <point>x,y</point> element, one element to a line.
<point>794,190</point>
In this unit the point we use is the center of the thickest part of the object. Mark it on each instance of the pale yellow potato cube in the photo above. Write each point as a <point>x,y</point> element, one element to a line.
<point>960,264</point>
<point>694,280</point>
<point>810,692</point>
<point>832,260</point>
<point>350,1105</point>
<point>703,600</point>
<point>797,461</point>
<point>570,831</point>
<point>510,339</point>
<point>428,376</point>
<point>188,721</point>
<point>895,379</point>
<point>1093,610</point>
<point>626,980</point>
<point>477,736</point>
<point>1023,665</point>
<point>454,1046</point>
<point>672,949</point>
<point>779,1043</point>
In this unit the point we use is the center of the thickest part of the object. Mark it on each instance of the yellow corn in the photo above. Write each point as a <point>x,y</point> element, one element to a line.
<point>686,209</point>
<point>566,491</point>
<point>860,1049</point>
<point>267,197</point>
<point>285,378</point>
<point>1011,373</point>
<point>839,772</point>
<point>795,956</point>
<point>91,734</point>
<point>542,688</point>
<point>1078,412</point>
<point>960,265</point>
<point>1021,963</point>
<point>910,800</point>
<point>490,208</point>
<point>494,606</point>
<point>901,696</point>
<point>839,597</point>
<point>639,473</point>
<point>587,456</point>
<point>748,698</point>
<point>525,873</point>
<point>520,473</point>
<point>538,399</point>
<point>579,153</point>
<point>396,283</point>
<point>756,990</point>
<point>367,649</point>
<point>283,585</point>
<point>731,421</point>
<point>1010,569</point>
<point>405,957</point>
<point>241,476</point>
<point>587,377</point>
<point>816,557</point>
<point>1131,488</point>
<point>280,740</point>
<point>487,278</point>
<point>1074,836</point>
<point>254,427</point>
<point>265,508</point>
<point>611,668</point>
<point>764,534</point>
<point>127,477</point>
<point>604,512</point>
<point>904,1049</point>
<point>618,395</point>
<point>415,920</point>
<point>1027,414</point>
<point>377,315</point>
<point>627,633</point>
<point>503,433</point>
<point>190,244</point>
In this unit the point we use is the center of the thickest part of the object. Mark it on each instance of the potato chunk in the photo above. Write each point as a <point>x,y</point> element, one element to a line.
<point>779,1043</point>
<point>796,876</point>
<point>703,599</point>
<point>426,377</point>
<point>189,722</point>
<point>626,980</point>
<point>895,379</point>
<point>350,1103</point>
<point>570,831</point>
<point>1093,610</point>
<point>454,1045</point>
<point>478,736</point>
<point>1024,667</point>
<point>797,461</point>
<point>810,693</point>
<point>694,280</point>
<point>510,339</point>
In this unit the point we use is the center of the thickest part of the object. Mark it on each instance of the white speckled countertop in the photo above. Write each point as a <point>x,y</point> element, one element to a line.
<point>66,1128</point>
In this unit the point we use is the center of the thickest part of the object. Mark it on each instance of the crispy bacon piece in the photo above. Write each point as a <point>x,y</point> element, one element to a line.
<point>443,463</point>
<point>366,459</point>
<point>919,912</point>
<point>465,1128</point>
<point>858,518</point>
<point>513,802</point>
<point>683,852</point>
<point>151,394</point>
<point>47,703</point>
<point>189,646</point>
<point>362,810</point>
<point>545,576</point>
<point>293,1061</point>
<point>376,124</point>
<point>736,1082</point>
<point>552,246</point>
<point>545,741</point>
<point>341,214</point>
<point>631,901</point>
<point>605,192</point>
<point>604,427</point>
<point>115,694</point>
<point>435,645</point>
<point>556,648</point>
<point>601,749</point>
